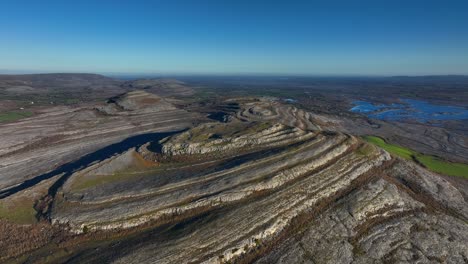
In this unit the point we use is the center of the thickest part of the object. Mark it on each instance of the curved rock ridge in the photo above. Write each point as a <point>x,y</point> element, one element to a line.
<point>232,234</point>
<point>137,101</point>
<point>210,138</point>
<point>269,193</point>
<point>376,219</point>
<point>62,134</point>
<point>94,197</point>
<point>383,221</point>
<point>274,191</point>
<point>289,115</point>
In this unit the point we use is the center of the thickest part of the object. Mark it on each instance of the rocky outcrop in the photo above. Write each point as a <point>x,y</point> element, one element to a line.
<point>136,101</point>
<point>269,186</point>
<point>259,136</point>
<point>63,134</point>
<point>269,175</point>
<point>270,109</point>
<point>378,223</point>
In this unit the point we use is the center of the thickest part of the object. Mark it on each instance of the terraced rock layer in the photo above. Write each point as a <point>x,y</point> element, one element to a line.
<point>435,141</point>
<point>268,109</point>
<point>300,196</point>
<point>268,186</point>
<point>151,200</point>
<point>60,135</point>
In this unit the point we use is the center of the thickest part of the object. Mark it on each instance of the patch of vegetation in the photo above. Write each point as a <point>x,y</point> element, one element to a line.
<point>139,168</point>
<point>252,129</point>
<point>204,94</point>
<point>393,149</point>
<point>444,167</point>
<point>122,175</point>
<point>201,137</point>
<point>18,212</point>
<point>431,162</point>
<point>71,101</point>
<point>261,126</point>
<point>365,150</point>
<point>14,115</point>
<point>220,130</point>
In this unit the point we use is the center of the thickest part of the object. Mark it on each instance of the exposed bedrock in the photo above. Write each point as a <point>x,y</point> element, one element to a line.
<point>302,196</point>
<point>377,223</point>
<point>209,138</point>
<point>153,200</point>
<point>63,134</point>
<point>269,186</point>
<point>136,102</point>
<point>268,109</point>
<point>431,140</point>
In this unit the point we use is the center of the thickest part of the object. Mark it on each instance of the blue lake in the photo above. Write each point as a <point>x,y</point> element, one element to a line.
<point>290,100</point>
<point>410,109</point>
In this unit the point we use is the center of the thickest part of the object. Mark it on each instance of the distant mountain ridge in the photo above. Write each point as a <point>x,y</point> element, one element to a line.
<point>82,87</point>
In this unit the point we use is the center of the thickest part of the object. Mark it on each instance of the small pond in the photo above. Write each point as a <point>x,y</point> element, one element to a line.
<point>409,109</point>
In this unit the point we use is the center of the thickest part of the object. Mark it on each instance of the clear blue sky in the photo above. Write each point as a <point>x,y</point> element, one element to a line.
<point>228,37</point>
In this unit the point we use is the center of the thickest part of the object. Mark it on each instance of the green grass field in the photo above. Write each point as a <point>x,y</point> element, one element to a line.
<point>14,115</point>
<point>432,163</point>
<point>19,212</point>
<point>103,179</point>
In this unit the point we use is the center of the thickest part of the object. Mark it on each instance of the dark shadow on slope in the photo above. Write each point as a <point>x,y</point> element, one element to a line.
<point>218,116</point>
<point>69,168</point>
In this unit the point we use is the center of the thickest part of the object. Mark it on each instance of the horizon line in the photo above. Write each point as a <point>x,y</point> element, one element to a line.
<point>227,74</point>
